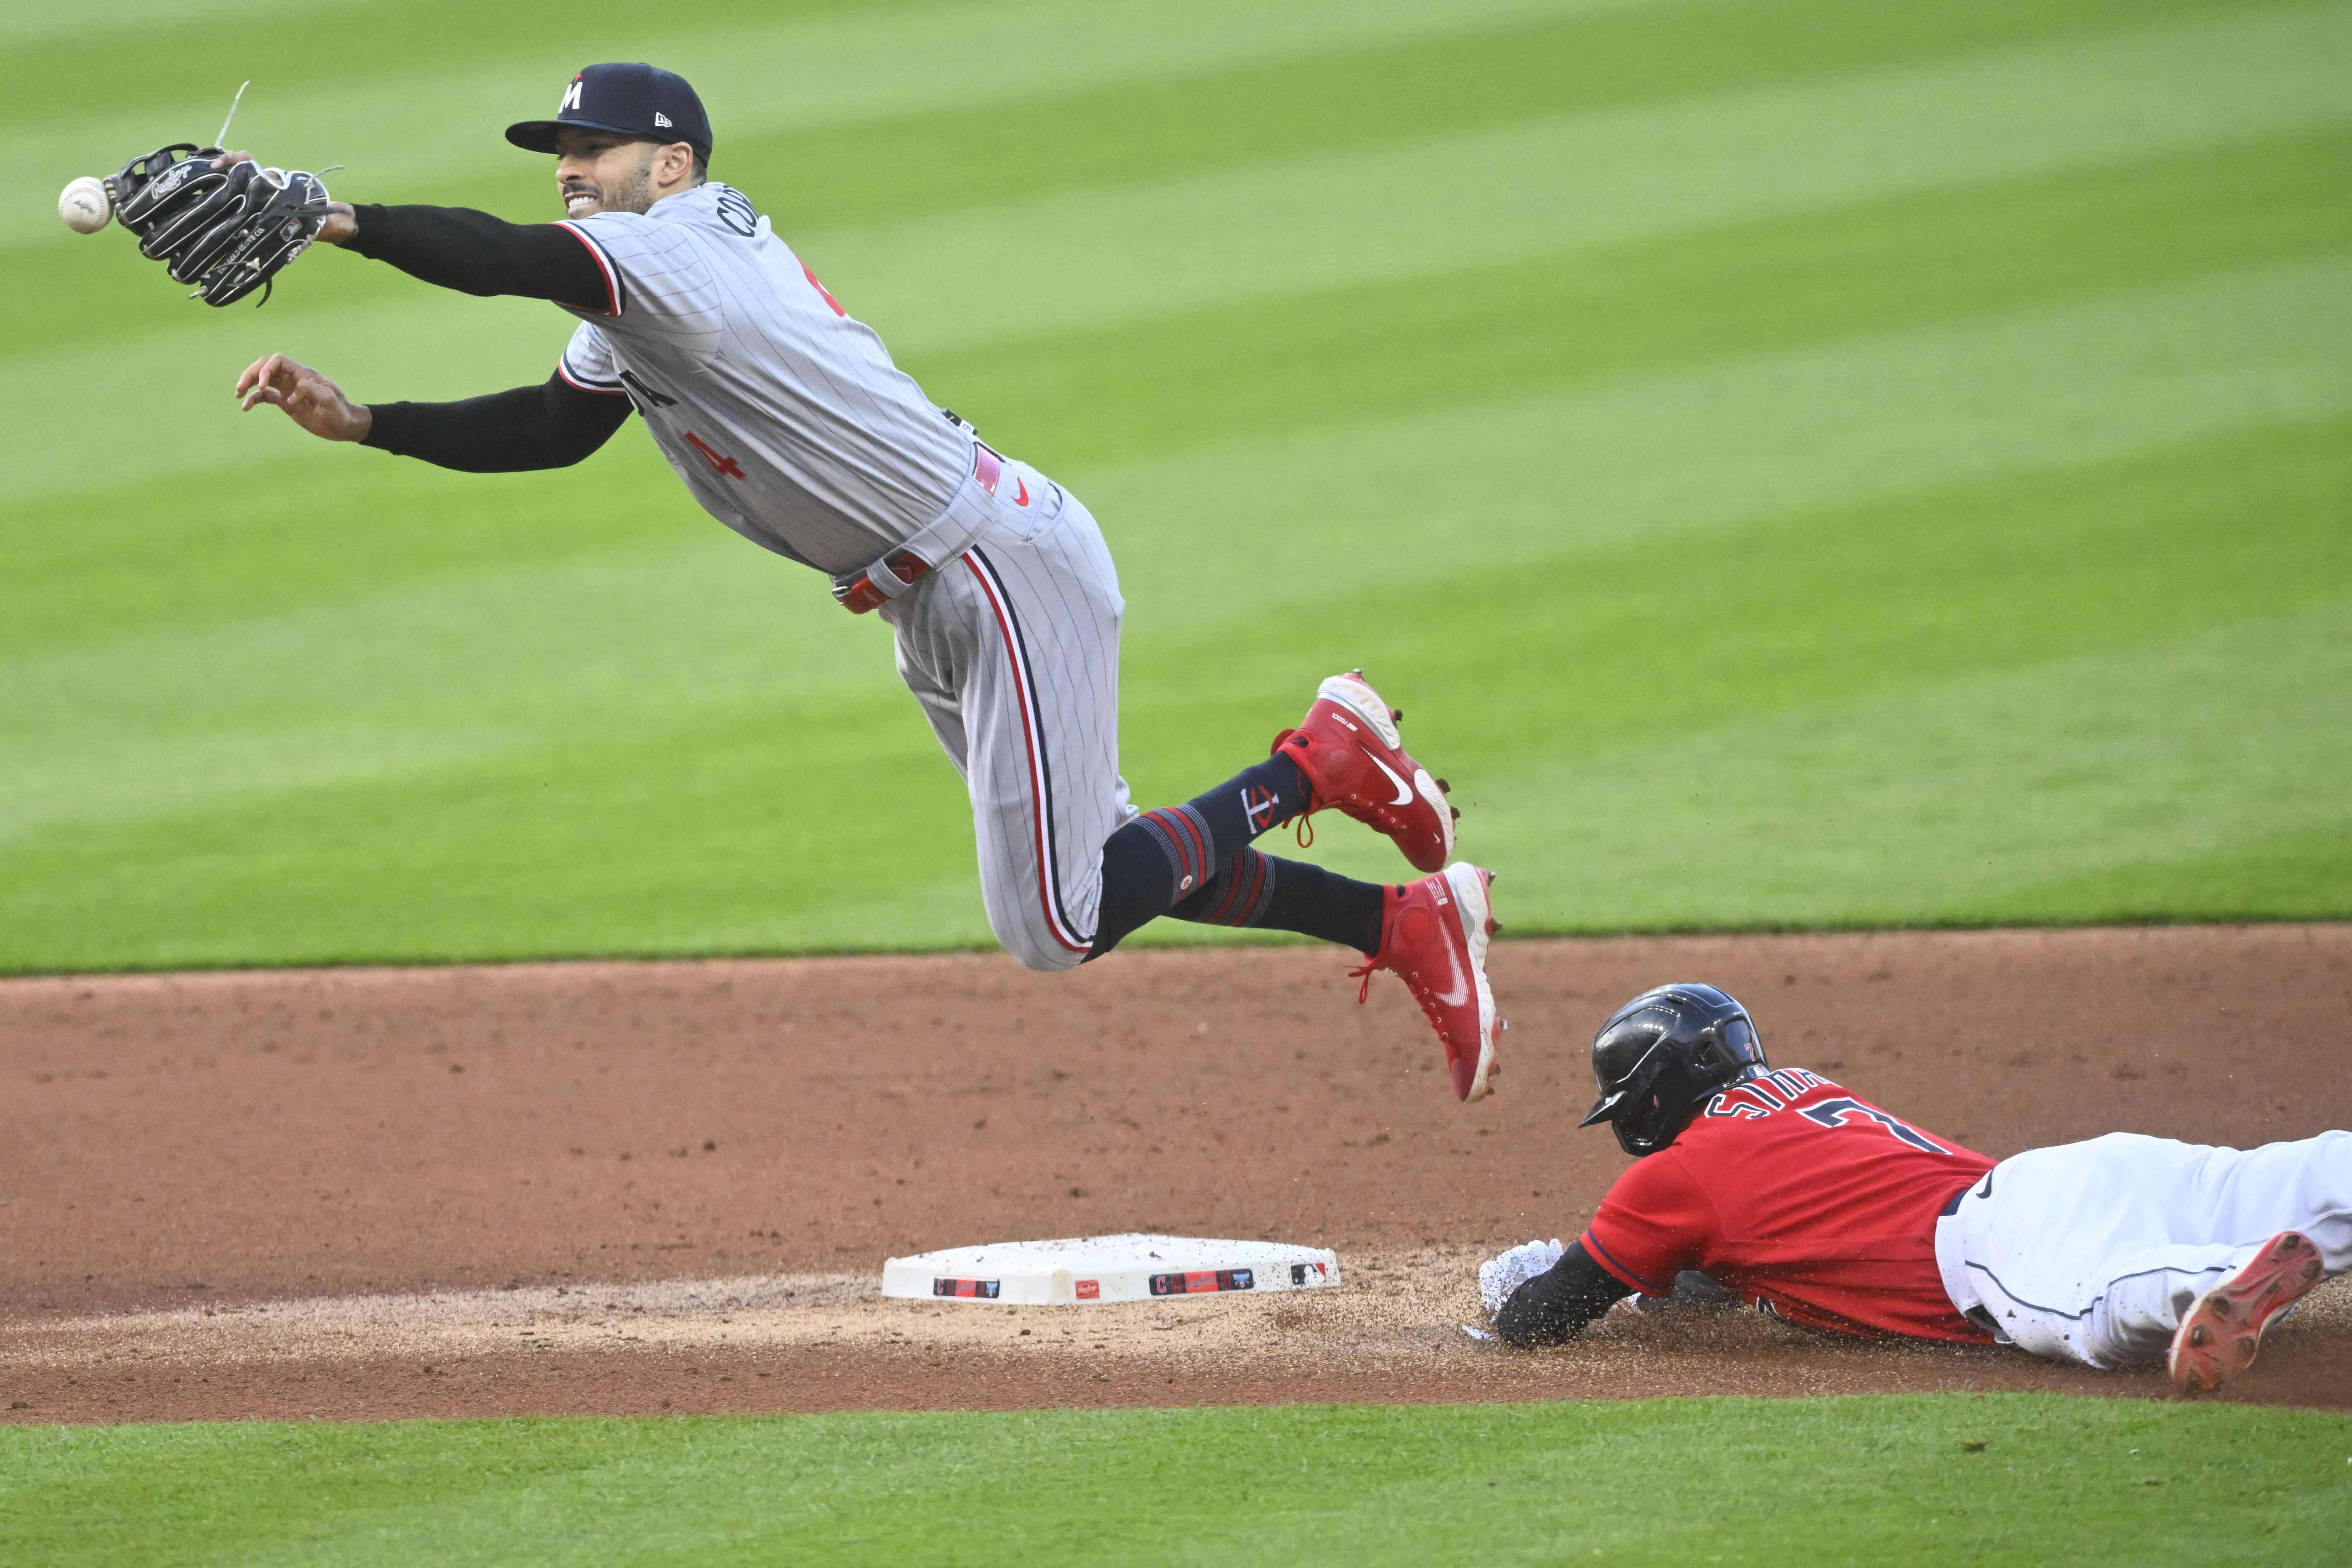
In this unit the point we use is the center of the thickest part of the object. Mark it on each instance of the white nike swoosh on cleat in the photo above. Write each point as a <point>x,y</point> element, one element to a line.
<point>1404,792</point>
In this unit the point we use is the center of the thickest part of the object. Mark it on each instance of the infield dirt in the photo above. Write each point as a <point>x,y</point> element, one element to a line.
<point>618,1188</point>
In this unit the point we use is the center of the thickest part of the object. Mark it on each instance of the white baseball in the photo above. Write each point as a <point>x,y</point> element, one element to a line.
<point>84,206</point>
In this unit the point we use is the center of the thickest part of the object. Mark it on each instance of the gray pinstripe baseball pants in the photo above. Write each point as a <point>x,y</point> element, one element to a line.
<point>1012,651</point>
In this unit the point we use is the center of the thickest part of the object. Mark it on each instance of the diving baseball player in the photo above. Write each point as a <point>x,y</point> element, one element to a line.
<point>786,419</point>
<point>1790,1192</point>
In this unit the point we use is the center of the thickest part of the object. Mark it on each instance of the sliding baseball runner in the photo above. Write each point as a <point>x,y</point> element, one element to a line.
<point>1792,1191</point>
<point>786,419</point>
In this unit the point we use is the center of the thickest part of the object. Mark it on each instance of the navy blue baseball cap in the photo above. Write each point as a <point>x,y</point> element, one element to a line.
<point>633,99</point>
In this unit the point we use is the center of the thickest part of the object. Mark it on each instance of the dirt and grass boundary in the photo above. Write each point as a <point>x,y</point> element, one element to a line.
<point>643,1187</point>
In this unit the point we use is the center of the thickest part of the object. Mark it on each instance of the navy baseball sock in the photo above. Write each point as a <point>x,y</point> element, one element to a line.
<point>1172,853</point>
<point>1255,889</point>
<point>1252,800</point>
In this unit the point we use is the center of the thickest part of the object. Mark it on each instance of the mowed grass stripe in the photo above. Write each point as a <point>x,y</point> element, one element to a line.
<point>615,645</point>
<point>1730,738</point>
<point>1487,69</point>
<point>1077,401</point>
<point>902,163</point>
<point>319,528</point>
<point>1903,711</point>
<point>403,113</point>
<point>735,827</point>
<point>1993,1480</point>
<point>2298,873</point>
<point>1131,255</point>
<point>1504,485</point>
<point>2002,329</point>
<point>889,108</point>
<point>590,800</point>
<point>28,28</point>
<point>2008,798</point>
<point>1349,510</point>
<point>197,549</point>
<point>1168,247</point>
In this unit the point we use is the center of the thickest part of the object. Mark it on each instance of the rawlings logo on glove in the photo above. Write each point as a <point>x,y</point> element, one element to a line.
<point>227,229</point>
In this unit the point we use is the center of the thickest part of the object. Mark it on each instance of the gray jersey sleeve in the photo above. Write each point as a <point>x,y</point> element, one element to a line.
<point>659,279</point>
<point>589,362</point>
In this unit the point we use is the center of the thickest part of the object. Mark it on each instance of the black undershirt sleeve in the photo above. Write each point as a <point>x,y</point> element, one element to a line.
<point>552,425</point>
<point>474,253</point>
<point>1554,1305</point>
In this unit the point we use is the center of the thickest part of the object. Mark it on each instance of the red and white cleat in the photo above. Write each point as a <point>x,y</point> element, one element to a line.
<point>1349,752</point>
<point>1433,937</point>
<point>2218,1339</point>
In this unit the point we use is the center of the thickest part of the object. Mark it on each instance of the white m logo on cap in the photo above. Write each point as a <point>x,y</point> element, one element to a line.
<point>571,96</point>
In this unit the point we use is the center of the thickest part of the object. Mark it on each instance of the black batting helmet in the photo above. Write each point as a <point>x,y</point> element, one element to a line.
<point>1661,1054</point>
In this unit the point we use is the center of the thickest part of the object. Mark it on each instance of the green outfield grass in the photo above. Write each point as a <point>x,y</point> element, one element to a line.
<point>1978,1479</point>
<point>1796,463</point>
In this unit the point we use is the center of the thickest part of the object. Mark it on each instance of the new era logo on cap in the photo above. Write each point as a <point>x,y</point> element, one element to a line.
<point>661,120</point>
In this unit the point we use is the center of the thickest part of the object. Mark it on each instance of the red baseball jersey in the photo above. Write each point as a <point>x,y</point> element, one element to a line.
<point>1794,1195</point>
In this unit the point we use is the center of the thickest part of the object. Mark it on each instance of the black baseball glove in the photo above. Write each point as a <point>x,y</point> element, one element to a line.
<point>227,230</point>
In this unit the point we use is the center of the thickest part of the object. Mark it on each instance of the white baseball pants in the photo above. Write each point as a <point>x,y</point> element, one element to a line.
<point>1012,651</point>
<point>2093,1252</point>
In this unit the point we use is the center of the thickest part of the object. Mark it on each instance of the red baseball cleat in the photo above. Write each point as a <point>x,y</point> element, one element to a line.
<point>2218,1339</point>
<point>1434,938</point>
<point>1348,748</point>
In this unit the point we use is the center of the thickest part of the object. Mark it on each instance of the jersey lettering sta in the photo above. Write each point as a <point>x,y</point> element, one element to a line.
<point>1792,1194</point>
<point>782,414</point>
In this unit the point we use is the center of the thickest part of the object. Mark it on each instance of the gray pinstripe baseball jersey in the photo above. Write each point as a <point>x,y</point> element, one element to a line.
<point>787,420</point>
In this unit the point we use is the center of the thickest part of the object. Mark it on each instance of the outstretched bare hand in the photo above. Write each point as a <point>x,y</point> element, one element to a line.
<point>309,399</point>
